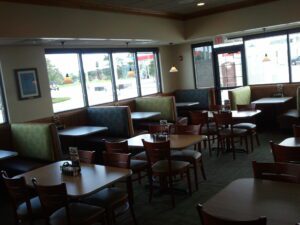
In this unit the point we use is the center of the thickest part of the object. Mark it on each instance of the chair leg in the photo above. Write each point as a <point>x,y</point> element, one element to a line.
<point>132,213</point>
<point>171,191</point>
<point>188,177</point>
<point>246,143</point>
<point>233,149</point>
<point>209,145</point>
<point>202,169</point>
<point>195,174</point>
<point>257,140</point>
<point>251,141</point>
<point>150,186</point>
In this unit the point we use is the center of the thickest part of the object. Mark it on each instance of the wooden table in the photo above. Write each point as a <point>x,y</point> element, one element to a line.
<point>81,131</point>
<point>4,154</point>
<point>176,141</point>
<point>272,100</point>
<point>92,179</point>
<point>143,115</point>
<point>248,199</point>
<point>186,104</point>
<point>291,142</point>
<point>240,114</point>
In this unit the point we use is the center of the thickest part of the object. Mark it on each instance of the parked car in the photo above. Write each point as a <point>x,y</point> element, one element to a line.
<point>54,87</point>
<point>295,61</point>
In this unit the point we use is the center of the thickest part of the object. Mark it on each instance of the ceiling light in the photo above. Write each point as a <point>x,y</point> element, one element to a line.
<point>200,4</point>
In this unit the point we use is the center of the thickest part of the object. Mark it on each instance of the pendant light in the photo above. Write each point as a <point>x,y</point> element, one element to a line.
<point>173,68</point>
<point>68,79</point>
<point>266,58</point>
<point>131,72</point>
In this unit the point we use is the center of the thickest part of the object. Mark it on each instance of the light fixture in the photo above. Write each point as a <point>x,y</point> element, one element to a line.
<point>68,79</point>
<point>200,4</point>
<point>173,69</point>
<point>266,58</point>
<point>130,72</point>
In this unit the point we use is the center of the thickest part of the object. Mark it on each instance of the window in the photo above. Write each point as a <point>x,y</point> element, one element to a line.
<point>148,71</point>
<point>267,60</point>
<point>2,109</point>
<point>65,81</point>
<point>294,40</point>
<point>125,75</point>
<point>80,77</point>
<point>98,78</point>
<point>203,65</point>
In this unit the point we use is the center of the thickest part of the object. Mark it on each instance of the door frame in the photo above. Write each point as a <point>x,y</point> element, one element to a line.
<point>228,49</point>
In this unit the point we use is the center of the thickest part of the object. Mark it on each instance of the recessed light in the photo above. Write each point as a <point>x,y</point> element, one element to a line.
<point>200,4</point>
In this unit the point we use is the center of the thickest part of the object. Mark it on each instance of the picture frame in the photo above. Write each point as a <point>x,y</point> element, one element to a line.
<point>27,83</point>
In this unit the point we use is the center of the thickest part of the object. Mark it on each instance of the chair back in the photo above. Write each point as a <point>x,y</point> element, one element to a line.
<point>198,118</point>
<point>296,130</point>
<point>117,147</point>
<point>52,198</point>
<point>285,154</point>
<point>120,160</point>
<point>17,190</point>
<point>157,151</point>
<point>187,130</point>
<point>215,108</point>
<point>248,107</point>
<point>208,219</point>
<point>223,119</point>
<point>87,156</point>
<point>153,129</point>
<point>286,172</point>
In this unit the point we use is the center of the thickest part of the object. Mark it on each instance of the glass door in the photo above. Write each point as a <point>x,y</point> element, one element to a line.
<point>230,70</point>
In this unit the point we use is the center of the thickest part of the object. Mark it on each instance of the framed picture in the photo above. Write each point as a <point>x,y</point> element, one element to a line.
<point>27,83</point>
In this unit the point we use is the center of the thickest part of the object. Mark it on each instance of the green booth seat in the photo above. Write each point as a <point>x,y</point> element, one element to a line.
<point>239,96</point>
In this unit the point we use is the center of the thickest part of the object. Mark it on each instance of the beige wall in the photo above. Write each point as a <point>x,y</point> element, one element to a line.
<point>20,20</point>
<point>12,58</point>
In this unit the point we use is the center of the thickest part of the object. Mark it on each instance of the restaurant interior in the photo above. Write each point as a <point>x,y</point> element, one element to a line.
<point>150,112</point>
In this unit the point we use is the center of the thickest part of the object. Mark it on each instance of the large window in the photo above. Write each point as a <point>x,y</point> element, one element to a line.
<point>203,65</point>
<point>2,109</point>
<point>294,40</point>
<point>86,77</point>
<point>267,60</point>
<point>65,81</point>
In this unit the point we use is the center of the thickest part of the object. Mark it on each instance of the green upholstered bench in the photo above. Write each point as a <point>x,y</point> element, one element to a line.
<point>36,144</point>
<point>239,96</point>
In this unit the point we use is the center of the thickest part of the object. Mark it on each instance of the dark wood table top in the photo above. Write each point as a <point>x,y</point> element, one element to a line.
<point>291,142</point>
<point>176,141</point>
<point>272,100</point>
<point>81,131</point>
<point>240,114</point>
<point>186,104</point>
<point>248,199</point>
<point>4,154</point>
<point>143,115</point>
<point>92,179</point>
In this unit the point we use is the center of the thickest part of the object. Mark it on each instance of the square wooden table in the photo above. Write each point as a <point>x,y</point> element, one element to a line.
<point>81,131</point>
<point>143,115</point>
<point>177,142</point>
<point>248,199</point>
<point>272,100</point>
<point>240,114</point>
<point>92,179</point>
<point>4,154</point>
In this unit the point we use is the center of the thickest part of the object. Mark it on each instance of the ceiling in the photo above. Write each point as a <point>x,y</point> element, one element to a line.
<point>178,9</point>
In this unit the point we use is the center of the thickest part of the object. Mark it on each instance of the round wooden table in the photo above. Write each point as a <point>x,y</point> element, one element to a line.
<point>291,142</point>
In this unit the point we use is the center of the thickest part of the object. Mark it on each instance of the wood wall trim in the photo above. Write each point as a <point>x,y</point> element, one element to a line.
<point>81,4</point>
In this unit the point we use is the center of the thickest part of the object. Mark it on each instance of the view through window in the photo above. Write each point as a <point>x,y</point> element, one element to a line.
<point>103,76</point>
<point>2,113</point>
<point>294,40</point>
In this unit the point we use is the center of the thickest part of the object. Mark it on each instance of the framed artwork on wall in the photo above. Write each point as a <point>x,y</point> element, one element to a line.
<point>27,83</point>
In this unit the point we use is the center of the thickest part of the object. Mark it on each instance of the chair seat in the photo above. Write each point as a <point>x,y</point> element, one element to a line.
<point>162,166</point>
<point>236,132</point>
<point>140,156</point>
<point>80,213</point>
<point>36,208</point>
<point>245,126</point>
<point>186,155</point>
<point>107,197</point>
<point>138,165</point>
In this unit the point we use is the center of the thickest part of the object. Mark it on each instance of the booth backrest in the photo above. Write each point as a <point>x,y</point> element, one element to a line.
<point>73,118</point>
<point>36,141</point>
<point>239,96</point>
<point>116,118</point>
<point>165,105</point>
<point>130,103</point>
<point>204,96</point>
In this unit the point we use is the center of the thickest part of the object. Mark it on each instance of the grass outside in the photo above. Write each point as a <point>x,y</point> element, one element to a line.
<point>58,100</point>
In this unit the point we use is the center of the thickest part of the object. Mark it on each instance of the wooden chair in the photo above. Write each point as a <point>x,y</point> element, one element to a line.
<point>58,210</point>
<point>249,126</point>
<point>285,153</point>
<point>206,127</point>
<point>160,165</point>
<point>209,219</point>
<point>191,156</point>
<point>215,108</point>
<point>286,172</point>
<point>226,132</point>
<point>26,205</point>
<point>136,165</point>
<point>113,198</point>
<point>296,130</point>
<point>87,156</point>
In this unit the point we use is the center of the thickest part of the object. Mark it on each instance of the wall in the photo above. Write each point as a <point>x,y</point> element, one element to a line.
<point>12,58</point>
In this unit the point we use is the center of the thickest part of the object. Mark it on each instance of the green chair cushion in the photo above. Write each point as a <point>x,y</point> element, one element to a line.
<point>33,141</point>
<point>164,105</point>
<point>240,96</point>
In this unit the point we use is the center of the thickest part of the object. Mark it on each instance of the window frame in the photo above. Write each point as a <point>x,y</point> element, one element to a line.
<point>110,51</point>
<point>3,99</point>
